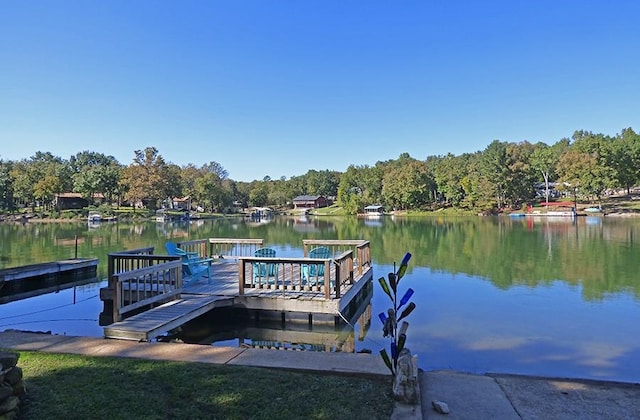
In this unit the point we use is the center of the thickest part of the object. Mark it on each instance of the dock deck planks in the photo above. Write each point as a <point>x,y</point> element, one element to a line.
<point>165,317</point>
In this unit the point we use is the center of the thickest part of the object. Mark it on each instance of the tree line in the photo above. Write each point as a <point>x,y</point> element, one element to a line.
<point>504,174</point>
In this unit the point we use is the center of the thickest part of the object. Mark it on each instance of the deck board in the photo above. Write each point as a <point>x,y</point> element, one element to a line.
<point>165,317</point>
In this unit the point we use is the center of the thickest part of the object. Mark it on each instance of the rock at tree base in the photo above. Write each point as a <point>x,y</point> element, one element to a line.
<point>405,384</point>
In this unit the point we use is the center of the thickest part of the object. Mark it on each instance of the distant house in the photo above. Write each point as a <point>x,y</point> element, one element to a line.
<point>67,201</point>
<point>309,202</point>
<point>183,203</point>
<point>237,206</point>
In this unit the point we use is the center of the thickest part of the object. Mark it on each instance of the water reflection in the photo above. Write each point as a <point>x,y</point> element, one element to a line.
<point>12,291</point>
<point>548,297</point>
<point>68,311</point>
<point>540,331</point>
<point>239,328</point>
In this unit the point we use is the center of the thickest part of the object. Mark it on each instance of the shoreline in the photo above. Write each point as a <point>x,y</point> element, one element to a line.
<point>463,395</point>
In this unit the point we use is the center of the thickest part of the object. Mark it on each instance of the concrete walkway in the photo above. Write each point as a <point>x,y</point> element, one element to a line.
<point>467,396</point>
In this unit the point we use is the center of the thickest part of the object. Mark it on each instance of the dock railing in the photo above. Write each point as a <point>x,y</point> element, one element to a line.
<point>118,264</point>
<point>361,250</point>
<point>129,260</point>
<point>201,246</point>
<point>344,269</point>
<point>288,274</point>
<point>225,248</point>
<point>141,287</point>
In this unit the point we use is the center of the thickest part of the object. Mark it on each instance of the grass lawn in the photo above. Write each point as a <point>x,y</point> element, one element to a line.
<point>333,210</point>
<point>61,386</point>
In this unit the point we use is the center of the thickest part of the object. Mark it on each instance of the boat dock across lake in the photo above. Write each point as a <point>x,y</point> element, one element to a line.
<point>150,294</point>
<point>35,279</point>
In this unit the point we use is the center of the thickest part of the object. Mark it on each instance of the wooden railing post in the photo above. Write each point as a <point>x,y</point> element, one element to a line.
<point>110,261</point>
<point>327,279</point>
<point>241,276</point>
<point>117,300</point>
<point>360,260</point>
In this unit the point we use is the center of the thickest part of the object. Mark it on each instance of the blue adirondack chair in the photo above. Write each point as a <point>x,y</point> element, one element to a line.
<point>194,268</point>
<point>264,270</point>
<point>192,265</point>
<point>313,274</point>
<point>172,249</point>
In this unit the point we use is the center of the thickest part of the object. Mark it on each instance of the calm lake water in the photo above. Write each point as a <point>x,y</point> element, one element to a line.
<point>531,296</point>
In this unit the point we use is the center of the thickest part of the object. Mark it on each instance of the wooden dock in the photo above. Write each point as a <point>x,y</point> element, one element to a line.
<point>35,279</point>
<point>148,324</point>
<point>80,266</point>
<point>233,284</point>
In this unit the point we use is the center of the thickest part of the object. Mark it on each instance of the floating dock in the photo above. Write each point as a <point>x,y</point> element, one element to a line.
<point>31,280</point>
<point>159,302</point>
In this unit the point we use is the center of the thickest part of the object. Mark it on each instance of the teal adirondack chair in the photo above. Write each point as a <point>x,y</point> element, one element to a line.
<point>192,265</point>
<point>172,249</point>
<point>313,274</point>
<point>263,271</point>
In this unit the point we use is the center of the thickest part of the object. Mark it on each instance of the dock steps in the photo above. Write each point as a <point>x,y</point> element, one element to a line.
<point>148,324</point>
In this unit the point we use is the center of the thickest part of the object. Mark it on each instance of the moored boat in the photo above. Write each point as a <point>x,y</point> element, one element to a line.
<point>94,217</point>
<point>162,216</point>
<point>374,211</point>
<point>556,209</point>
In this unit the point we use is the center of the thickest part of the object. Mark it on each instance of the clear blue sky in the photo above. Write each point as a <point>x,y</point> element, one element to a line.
<point>280,87</point>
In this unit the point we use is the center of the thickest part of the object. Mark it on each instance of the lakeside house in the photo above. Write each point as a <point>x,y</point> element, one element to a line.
<point>75,201</point>
<point>181,203</point>
<point>310,202</point>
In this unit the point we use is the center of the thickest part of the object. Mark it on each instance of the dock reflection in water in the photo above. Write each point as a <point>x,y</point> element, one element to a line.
<point>242,328</point>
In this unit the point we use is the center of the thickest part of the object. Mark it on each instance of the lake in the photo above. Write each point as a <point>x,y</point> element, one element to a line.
<point>551,297</point>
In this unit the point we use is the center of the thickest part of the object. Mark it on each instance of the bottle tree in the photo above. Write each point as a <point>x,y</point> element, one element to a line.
<point>390,320</point>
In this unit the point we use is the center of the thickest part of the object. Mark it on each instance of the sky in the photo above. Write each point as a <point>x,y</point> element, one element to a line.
<point>277,88</point>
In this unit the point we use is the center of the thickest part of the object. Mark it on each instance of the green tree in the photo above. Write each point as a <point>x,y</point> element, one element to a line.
<point>146,181</point>
<point>358,187</point>
<point>208,191</point>
<point>583,168</point>
<point>242,192</point>
<point>211,188</point>
<point>23,181</point>
<point>40,178</point>
<point>259,195</point>
<point>623,158</point>
<point>521,175</point>
<point>475,186</point>
<point>6,186</point>
<point>495,175</point>
<point>323,183</point>
<point>449,172</point>
<point>544,160</point>
<point>95,173</point>
<point>408,185</point>
<point>279,193</point>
